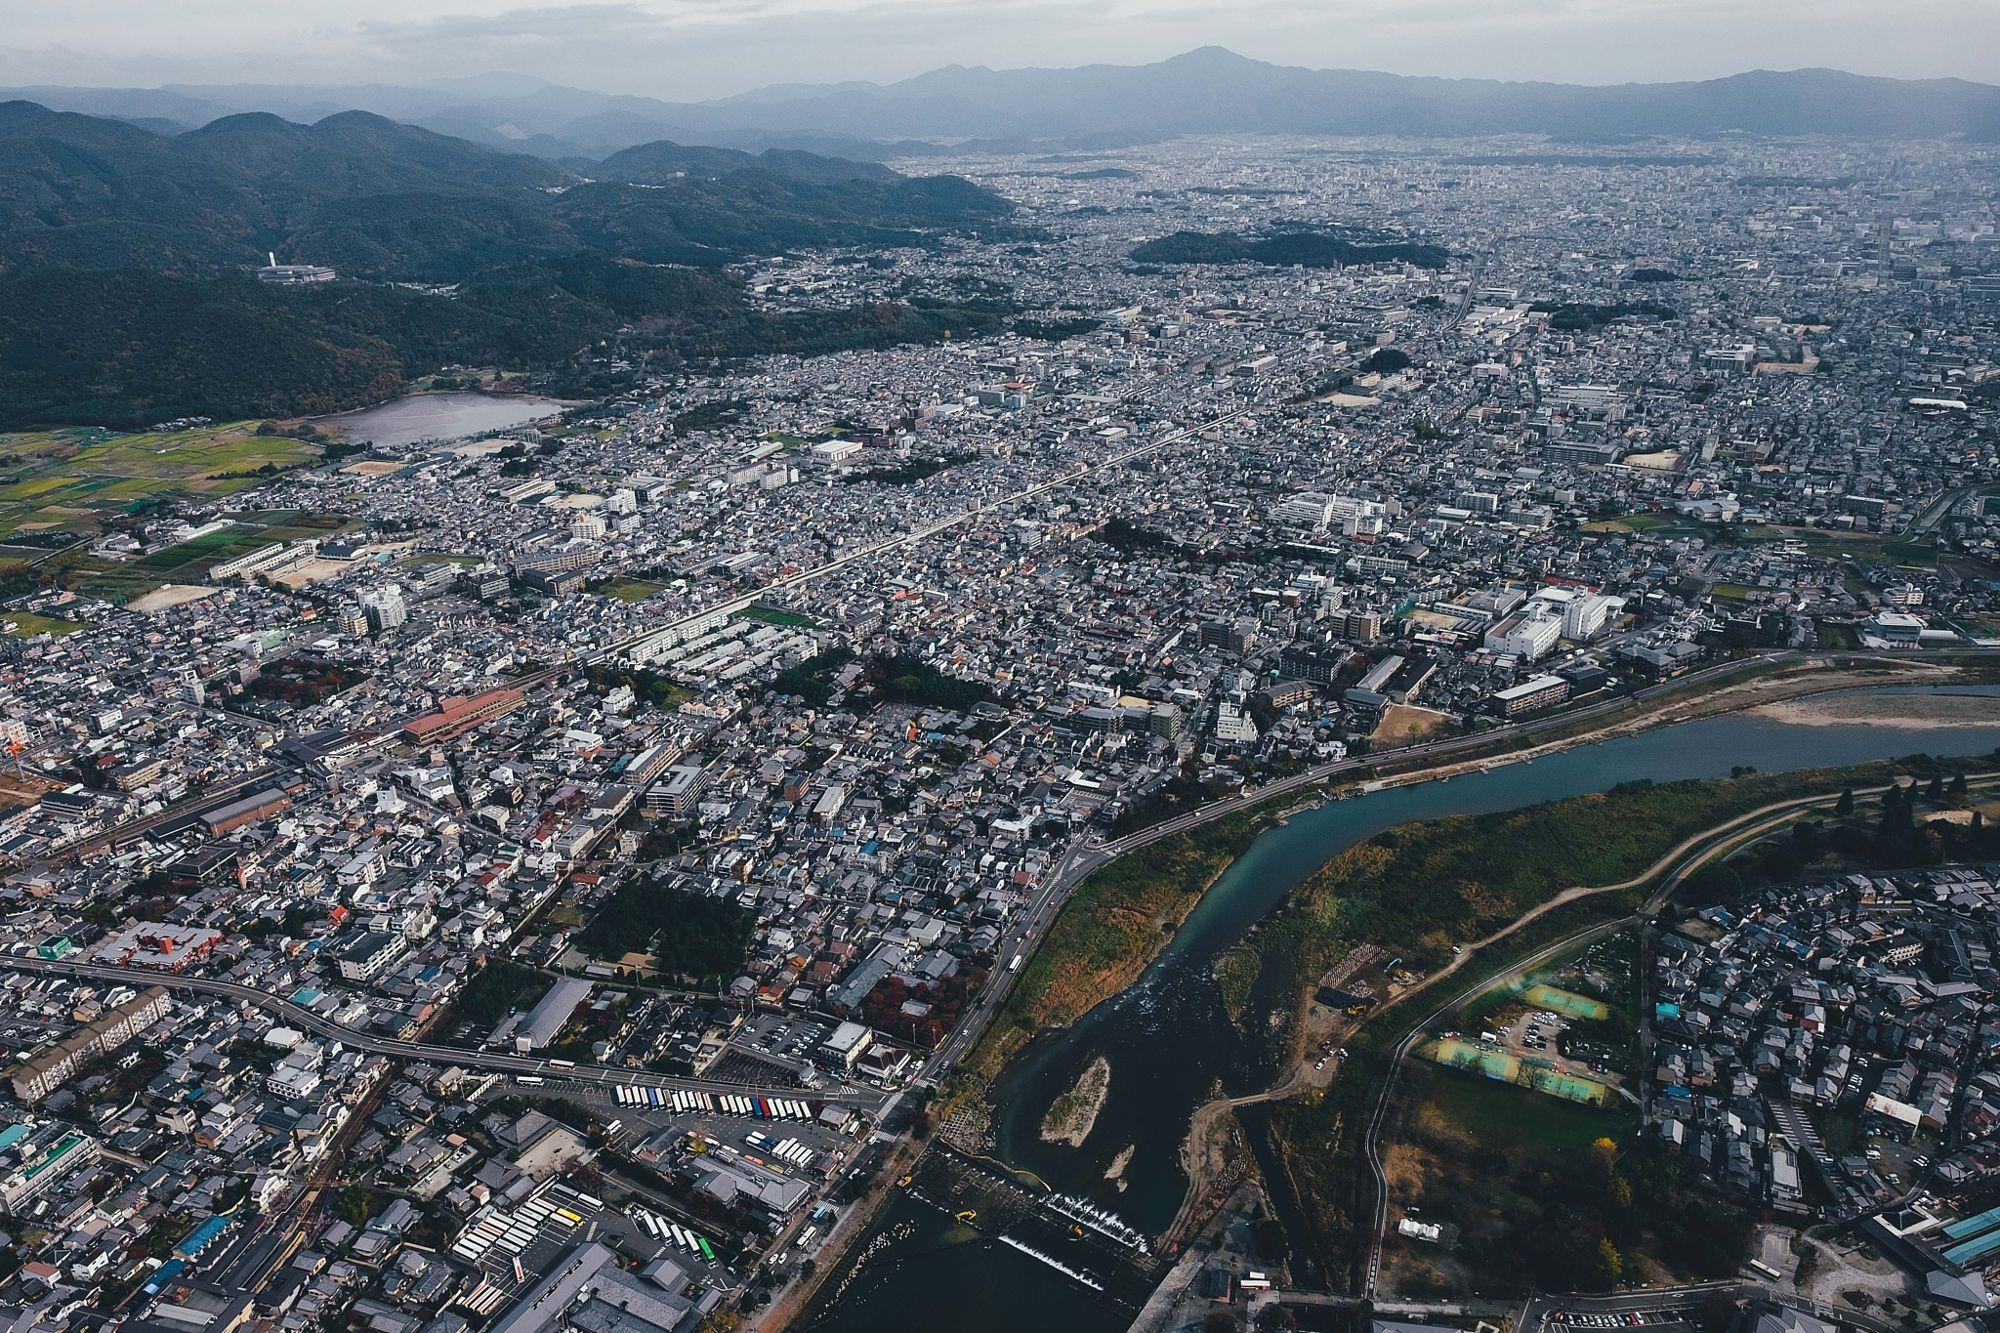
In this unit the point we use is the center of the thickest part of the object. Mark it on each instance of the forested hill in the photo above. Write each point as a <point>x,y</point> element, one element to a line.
<point>107,229</point>
<point>1308,249</point>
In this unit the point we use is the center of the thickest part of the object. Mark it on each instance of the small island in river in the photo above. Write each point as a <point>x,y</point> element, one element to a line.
<point>1073,1115</point>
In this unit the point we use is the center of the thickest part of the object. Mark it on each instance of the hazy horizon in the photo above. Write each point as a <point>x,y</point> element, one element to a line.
<point>690,50</point>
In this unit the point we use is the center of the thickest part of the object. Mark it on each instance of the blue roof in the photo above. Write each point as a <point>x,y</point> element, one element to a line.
<point>1970,1252</point>
<point>1968,1226</point>
<point>198,1240</point>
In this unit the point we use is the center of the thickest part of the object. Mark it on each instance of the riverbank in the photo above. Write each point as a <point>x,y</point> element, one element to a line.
<point>1114,924</point>
<point>1125,913</point>
<point>1924,712</point>
<point>1629,838</point>
<point>1173,1045</point>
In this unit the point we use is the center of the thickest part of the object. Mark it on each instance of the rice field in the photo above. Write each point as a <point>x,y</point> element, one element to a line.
<point>72,479</point>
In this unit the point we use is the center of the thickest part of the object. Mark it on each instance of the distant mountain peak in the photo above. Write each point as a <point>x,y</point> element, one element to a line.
<point>1213,57</point>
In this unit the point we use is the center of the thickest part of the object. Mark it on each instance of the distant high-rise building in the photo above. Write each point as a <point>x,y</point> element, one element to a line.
<point>384,608</point>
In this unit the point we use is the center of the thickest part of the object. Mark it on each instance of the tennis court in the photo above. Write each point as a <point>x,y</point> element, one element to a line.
<point>1505,1068</point>
<point>1567,1002</point>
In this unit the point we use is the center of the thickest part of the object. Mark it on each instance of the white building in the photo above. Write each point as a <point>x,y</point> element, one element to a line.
<point>1584,617</point>
<point>1528,634</point>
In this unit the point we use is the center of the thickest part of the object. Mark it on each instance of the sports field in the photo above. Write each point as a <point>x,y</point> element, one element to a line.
<point>189,562</point>
<point>1568,1003</point>
<point>1505,1067</point>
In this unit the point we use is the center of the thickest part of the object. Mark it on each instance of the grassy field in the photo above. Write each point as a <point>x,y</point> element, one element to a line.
<point>773,615</point>
<point>1420,888</point>
<point>1630,523</point>
<point>626,590</point>
<point>70,480</point>
<point>1868,547</point>
<point>26,624</point>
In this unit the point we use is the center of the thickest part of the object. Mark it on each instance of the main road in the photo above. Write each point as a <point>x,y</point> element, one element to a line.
<point>496,1062</point>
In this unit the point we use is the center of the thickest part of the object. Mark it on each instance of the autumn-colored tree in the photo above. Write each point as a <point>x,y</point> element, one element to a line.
<point>1610,1263</point>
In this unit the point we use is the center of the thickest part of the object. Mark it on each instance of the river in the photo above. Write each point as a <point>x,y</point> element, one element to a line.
<point>1169,1042</point>
<point>420,417</point>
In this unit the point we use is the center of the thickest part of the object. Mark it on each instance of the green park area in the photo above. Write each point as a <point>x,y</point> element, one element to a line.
<point>1535,1172</point>
<point>73,479</point>
<point>1423,890</point>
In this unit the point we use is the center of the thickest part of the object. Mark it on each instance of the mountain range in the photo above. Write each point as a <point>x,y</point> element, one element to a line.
<point>126,258</point>
<point>1210,90</point>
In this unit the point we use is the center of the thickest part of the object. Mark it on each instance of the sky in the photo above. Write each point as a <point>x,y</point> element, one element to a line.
<point>698,49</point>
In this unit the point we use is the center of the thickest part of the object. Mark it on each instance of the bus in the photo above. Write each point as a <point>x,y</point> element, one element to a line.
<point>1765,1271</point>
<point>1015,966</point>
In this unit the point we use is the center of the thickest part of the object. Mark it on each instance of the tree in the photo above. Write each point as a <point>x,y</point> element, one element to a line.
<point>1846,803</point>
<point>352,1205</point>
<point>1606,1152</point>
<point>1610,1263</point>
<point>1935,792</point>
<point>1958,784</point>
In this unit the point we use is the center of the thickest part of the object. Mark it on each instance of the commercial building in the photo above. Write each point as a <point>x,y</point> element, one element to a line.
<point>459,715</point>
<point>678,793</point>
<point>293,275</point>
<point>589,1292</point>
<point>157,944</point>
<point>37,1154</point>
<point>1583,618</point>
<point>245,810</point>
